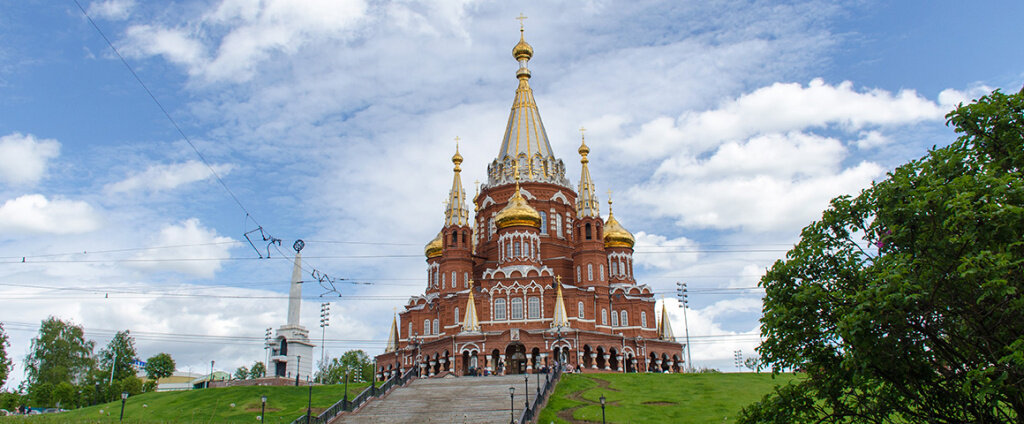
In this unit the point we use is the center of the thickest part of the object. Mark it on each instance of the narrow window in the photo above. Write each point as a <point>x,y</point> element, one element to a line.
<point>442,281</point>
<point>426,327</point>
<point>454,283</point>
<point>578,273</point>
<point>437,328</point>
<point>543,223</point>
<point>587,231</point>
<point>465,280</point>
<point>579,310</point>
<point>499,309</point>
<point>643,319</point>
<point>454,239</point>
<point>625,319</point>
<point>604,316</point>
<point>601,268</point>
<point>516,306</point>
<point>526,250</point>
<point>590,272</point>
<point>615,319</point>
<point>518,252</point>
<point>409,333</point>
<point>456,314</point>
<point>558,225</point>
<point>614,270</point>
<point>533,308</point>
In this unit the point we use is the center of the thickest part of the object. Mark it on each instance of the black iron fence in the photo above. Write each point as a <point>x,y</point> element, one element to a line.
<point>346,405</point>
<point>540,399</point>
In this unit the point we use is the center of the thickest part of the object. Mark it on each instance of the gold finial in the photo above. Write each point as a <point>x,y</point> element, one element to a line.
<point>558,279</point>
<point>522,51</point>
<point>471,284</point>
<point>457,158</point>
<point>582,133</point>
<point>609,201</point>
<point>521,18</point>
<point>583,150</point>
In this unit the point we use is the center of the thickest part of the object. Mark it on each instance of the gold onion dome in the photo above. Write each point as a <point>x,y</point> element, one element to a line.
<point>614,234</point>
<point>517,212</point>
<point>523,50</point>
<point>434,248</point>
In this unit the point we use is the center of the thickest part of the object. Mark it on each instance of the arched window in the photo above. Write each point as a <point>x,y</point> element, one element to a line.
<point>516,308</point>
<point>499,309</point>
<point>442,281</point>
<point>558,225</point>
<point>491,228</point>
<point>625,319</point>
<point>543,223</point>
<point>463,238</point>
<point>643,319</point>
<point>578,278</point>
<point>518,252</point>
<point>613,270</point>
<point>526,250</point>
<point>454,283</point>
<point>604,316</point>
<point>579,310</point>
<point>601,268</point>
<point>586,228</point>
<point>509,245</point>
<point>437,328</point>
<point>615,319</point>
<point>533,308</point>
<point>590,272</point>
<point>465,280</point>
<point>456,314</point>
<point>426,327</point>
<point>409,333</point>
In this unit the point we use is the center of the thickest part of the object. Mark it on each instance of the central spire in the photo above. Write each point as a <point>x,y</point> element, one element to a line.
<point>525,143</point>
<point>586,203</point>
<point>456,212</point>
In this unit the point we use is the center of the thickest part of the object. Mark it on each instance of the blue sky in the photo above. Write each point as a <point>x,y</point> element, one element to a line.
<point>721,127</point>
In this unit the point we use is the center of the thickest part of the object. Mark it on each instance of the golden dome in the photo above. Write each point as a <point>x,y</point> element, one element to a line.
<point>517,212</point>
<point>434,248</point>
<point>614,234</point>
<point>523,50</point>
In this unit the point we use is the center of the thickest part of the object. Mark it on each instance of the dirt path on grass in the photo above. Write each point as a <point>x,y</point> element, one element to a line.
<point>566,414</point>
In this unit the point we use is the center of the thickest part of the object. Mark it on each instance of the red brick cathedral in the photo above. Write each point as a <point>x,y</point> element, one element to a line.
<point>534,276</point>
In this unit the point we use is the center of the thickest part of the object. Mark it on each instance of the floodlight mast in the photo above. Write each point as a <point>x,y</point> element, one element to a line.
<point>684,302</point>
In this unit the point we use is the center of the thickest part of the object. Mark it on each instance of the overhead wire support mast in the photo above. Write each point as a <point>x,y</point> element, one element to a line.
<point>684,302</point>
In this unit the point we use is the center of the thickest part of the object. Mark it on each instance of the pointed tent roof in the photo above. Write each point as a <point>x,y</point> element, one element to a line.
<point>525,132</point>
<point>665,325</point>
<point>561,319</point>
<point>393,337</point>
<point>456,212</point>
<point>470,324</point>
<point>586,203</point>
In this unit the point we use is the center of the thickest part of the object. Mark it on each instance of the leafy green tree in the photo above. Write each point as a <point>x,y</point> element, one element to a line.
<point>159,366</point>
<point>257,370</point>
<point>5,361</point>
<point>119,353</point>
<point>354,363</point>
<point>241,373</point>
<point>64,395</point>
<point>59,353</point>
<point>905,303</point>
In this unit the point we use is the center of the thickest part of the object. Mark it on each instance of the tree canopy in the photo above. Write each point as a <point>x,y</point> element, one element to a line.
<point>5,361</point>
<point>59,353</point>
<point>120,353</point>
<point>159,366</point>
<point>257,370</point>
<point>905,303</point>
<point>354,363</point>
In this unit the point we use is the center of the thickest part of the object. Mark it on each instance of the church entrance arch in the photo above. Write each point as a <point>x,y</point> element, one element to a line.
<point>588,361</point>
<point>613,359</point>
<point>515,358</point>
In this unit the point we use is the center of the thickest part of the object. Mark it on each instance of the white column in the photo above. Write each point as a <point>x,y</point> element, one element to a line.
<point>295,293</point>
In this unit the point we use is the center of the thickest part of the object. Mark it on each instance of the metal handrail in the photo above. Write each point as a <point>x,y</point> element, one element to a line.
<point>345,405</point>
<point>550,380</point>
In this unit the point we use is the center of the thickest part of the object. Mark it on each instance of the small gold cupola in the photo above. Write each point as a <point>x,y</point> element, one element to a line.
<point>434,248</point>
<point>614,234</point>
<point>517,212</point>
<point>586,203</point>
<point>456,212</point>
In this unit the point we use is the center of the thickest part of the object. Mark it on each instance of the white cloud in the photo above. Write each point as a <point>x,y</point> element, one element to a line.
<point>711,345</point>
<point>950,98</point>
<point>774,182</point>
<point>199,254</point>
<point>253,31</point>
<point>780,108</point>
<point>166,177</point>
<point>25,157</point>
<point>657,251</point>
<point>34,214</point>
<point>111,9</point>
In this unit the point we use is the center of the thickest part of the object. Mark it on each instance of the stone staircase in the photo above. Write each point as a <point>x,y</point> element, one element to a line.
<point>447,400</point>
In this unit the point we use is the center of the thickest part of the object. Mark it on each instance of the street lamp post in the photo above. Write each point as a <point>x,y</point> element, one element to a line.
<point>526,394</point>
<point>512,404</point>
<point>602,409</point>
<point>345,398</point>
<point>124,398</point>
<point>298,369</point>
<point>211,375</point>
<point>263,407</point>
<point>309,401</point>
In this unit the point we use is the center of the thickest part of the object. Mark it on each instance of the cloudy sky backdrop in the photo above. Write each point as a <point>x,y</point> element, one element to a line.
<point>721,127</point>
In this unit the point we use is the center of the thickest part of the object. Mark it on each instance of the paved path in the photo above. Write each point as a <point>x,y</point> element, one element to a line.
<point>446,400</point>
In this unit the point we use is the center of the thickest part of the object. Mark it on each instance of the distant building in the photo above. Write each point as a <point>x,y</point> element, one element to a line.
<point>534,276</point>
<point>291,351</point>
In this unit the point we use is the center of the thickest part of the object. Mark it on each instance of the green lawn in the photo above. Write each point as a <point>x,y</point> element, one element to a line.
<point>657,398</point>
<point>284,404</point>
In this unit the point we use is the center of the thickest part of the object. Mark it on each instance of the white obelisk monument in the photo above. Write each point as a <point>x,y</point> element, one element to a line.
<point>291,351</point>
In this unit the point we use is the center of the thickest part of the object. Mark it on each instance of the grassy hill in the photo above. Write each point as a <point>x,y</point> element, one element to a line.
<point>284,404</point>
<point>656,398</point>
